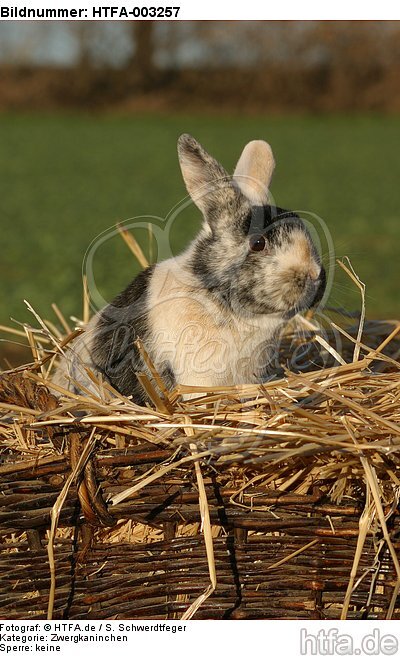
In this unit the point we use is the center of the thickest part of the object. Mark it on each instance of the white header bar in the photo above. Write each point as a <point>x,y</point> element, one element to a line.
<point>198,10</point>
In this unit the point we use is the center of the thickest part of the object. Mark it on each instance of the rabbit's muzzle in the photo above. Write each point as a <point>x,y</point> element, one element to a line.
<point>306,290</point>
<point>320,286</point>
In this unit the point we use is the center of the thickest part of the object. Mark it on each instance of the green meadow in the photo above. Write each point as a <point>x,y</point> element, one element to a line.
<point>65,179</point>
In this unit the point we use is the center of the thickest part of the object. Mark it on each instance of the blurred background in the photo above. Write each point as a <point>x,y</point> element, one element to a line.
<point>89,117</point>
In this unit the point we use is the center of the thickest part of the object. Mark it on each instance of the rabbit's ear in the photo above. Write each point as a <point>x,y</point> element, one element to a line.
<point>207,182</point>
<point>254,171</point>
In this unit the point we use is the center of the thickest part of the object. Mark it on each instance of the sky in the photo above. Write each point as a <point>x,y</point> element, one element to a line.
<point>186,43</point>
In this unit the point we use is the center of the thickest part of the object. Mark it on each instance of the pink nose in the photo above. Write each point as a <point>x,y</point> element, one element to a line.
<point>314,274</point>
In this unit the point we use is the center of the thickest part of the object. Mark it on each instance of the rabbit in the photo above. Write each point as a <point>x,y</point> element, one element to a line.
<point>213,315</point>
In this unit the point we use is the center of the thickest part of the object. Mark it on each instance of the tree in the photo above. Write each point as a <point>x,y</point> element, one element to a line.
<point>142,62</point>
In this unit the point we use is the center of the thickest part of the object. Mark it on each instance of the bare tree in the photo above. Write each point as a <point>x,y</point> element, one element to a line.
<point>83,36</point>
<point>142,62</point>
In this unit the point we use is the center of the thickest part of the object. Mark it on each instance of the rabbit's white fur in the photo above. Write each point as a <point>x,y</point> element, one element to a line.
<point>203,341</point>
<point>211,316</point>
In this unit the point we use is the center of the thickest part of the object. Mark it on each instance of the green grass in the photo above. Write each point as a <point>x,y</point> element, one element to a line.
<point>65,179</point>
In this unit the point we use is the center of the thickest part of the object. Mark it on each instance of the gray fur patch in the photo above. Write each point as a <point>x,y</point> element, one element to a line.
<point>114,352</point>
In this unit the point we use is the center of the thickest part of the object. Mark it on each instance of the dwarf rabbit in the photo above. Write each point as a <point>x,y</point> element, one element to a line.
<point>213,315</point>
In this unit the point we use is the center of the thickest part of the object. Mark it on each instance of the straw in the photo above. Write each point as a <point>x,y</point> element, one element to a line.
<point>317,438</point>
<point>133,245</point>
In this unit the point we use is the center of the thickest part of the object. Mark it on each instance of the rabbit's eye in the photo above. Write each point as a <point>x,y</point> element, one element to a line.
<point>257,243</point>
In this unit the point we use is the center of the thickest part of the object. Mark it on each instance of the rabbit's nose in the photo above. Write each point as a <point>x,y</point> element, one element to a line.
<point>314,274</point>
<point>320,284</point>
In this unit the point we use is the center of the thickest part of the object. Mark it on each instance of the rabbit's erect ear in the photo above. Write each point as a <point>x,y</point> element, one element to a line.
<point>254,171</point>
<point>207,182</point>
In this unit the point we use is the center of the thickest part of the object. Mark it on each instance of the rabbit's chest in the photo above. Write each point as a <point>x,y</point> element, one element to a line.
<point>205,345</point>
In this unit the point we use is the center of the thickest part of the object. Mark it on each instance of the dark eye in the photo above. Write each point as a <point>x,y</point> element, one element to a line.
<point>257,243</point>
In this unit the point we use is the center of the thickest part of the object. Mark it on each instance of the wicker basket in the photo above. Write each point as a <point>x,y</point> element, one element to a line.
<point>277,555</point>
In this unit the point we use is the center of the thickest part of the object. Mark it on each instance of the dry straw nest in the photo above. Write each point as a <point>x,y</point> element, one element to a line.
<point>265,501</point>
